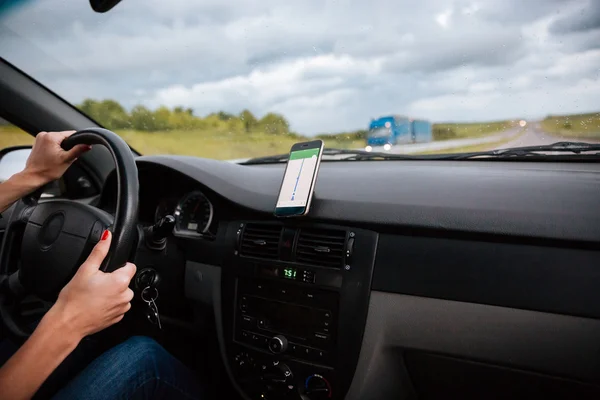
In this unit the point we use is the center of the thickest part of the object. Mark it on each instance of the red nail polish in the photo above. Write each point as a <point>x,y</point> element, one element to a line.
<point>104,235</point>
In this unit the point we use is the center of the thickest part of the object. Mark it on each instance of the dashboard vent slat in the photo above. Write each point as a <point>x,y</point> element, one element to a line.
<point>322,247</point>
<point>261,240</point>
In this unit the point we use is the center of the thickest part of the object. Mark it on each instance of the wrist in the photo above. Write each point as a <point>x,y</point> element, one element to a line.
<point>32,179</point>
<point>58,320</point>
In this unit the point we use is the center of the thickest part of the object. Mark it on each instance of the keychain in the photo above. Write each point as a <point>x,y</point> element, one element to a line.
<point>149,295</point>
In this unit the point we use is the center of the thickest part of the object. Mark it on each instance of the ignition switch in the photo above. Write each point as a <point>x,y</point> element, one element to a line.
<point>146,277</point>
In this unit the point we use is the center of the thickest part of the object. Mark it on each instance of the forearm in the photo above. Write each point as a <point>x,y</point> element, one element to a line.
<point>17,186</point>
<point>30,366</point>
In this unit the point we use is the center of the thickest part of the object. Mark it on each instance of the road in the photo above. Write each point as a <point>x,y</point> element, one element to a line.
<point>534,136</point>
<point>449,144</point>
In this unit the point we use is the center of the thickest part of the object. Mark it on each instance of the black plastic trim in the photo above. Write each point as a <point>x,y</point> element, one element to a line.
<point>558,280</point>
<point>541,201</point>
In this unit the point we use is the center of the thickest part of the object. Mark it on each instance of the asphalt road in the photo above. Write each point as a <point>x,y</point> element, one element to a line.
<point>534,136</point>
<point>448,144</point>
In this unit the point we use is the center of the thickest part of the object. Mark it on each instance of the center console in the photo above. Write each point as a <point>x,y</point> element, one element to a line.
<point>295,301</point>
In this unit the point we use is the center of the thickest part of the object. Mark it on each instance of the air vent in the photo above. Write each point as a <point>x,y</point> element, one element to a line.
<point>260,240</point>
<point>323,247</point>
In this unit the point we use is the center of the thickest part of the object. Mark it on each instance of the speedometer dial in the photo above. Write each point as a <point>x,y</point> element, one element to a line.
<point>193,214</point>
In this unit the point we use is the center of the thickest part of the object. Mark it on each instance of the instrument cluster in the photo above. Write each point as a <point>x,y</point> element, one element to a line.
<point>193,213</point>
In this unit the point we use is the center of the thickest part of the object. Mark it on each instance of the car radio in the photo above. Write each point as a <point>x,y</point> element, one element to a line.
<point>293,320</point>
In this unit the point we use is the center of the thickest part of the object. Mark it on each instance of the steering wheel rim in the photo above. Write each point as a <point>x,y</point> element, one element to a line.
<point>123,226</point>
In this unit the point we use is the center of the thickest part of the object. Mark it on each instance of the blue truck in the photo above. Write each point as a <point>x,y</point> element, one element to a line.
<point>394,130</point>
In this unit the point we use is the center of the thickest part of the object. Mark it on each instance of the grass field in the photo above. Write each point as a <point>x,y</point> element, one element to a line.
<point>224,145</point>
<point>219,145</point>
<point>12,136</point>
<point>577,125</point>
<point>447,131</point>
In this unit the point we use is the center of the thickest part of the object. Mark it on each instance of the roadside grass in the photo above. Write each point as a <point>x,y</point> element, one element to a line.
<point>225,145</point>
<point>448,131</point>
<point>13,136</point>
<point>584,126</point>
<point>218,145</point>
<point>221,145</point>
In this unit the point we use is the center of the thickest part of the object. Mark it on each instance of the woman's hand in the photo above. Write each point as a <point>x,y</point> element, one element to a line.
<point>48,161</point>
<point>93,299</point>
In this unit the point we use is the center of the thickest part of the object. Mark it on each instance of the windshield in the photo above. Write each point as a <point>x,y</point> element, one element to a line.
<point>240,79</point>
<point>380,132</point>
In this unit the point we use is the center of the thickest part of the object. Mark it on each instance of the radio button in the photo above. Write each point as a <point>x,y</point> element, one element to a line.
<point>248,321</point>
<point>244,303</point>
<point>319,355</point>
<point>261,323</point>
<point>245,336</point>
<point>278,344</point>
<point>309,296</point>
<point>325,315</point>
<point>305,352</point>
<point>293,349</point>
<point>260,289</point>
<point>308,276</point>
<point>321,336</point>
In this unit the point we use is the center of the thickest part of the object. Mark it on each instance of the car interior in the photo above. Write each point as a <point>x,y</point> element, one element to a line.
<point>428,280</point>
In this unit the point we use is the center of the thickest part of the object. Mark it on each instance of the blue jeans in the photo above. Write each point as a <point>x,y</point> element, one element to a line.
<point>138,368</point>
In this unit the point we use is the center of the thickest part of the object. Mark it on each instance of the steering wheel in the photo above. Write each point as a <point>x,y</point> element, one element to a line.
<point>54,237</point>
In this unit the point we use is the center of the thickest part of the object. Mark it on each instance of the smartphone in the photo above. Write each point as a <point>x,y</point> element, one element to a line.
<point>299,179</point>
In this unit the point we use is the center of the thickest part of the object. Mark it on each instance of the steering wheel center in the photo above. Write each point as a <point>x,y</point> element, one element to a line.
<point>57,238</point>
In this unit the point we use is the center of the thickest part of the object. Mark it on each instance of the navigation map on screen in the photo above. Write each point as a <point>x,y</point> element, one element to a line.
<point>298,178</point>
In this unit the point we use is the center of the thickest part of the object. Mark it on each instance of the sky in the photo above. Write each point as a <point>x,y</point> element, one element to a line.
<point>327,66</point>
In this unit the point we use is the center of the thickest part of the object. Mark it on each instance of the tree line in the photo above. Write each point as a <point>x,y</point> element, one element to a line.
<point>114,116</point>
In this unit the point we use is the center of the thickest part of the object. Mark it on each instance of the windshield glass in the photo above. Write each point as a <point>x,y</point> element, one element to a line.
<point>380,132</point>
<point>240,79</point>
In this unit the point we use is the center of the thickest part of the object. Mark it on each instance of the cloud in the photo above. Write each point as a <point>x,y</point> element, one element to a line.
<point>286,87</point>
<point>586,18</point>
<point>326,65</point>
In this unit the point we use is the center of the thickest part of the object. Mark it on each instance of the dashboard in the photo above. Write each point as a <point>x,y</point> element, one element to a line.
<point>170,194</point>
<point>397,287</point>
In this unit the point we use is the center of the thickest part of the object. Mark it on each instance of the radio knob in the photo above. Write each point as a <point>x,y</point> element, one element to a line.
<point>278,344</point>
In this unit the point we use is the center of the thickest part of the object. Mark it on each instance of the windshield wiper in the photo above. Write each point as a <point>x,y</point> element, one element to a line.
<point>559,147</point>
<point>351,155</point>
<point>358,155</point>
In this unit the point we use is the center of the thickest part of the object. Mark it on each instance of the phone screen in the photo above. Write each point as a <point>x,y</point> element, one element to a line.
<point>298,181</point>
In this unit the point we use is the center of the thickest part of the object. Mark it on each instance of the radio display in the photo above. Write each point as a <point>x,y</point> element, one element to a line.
<point>290,273</point>
<point>286,318</point>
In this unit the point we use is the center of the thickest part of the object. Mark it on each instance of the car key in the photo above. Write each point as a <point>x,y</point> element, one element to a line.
<point>149,296</point>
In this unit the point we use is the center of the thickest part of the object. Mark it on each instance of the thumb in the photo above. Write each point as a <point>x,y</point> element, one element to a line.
<point>124,274</point>
<point>76,152</point>
<point>99,251</point>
